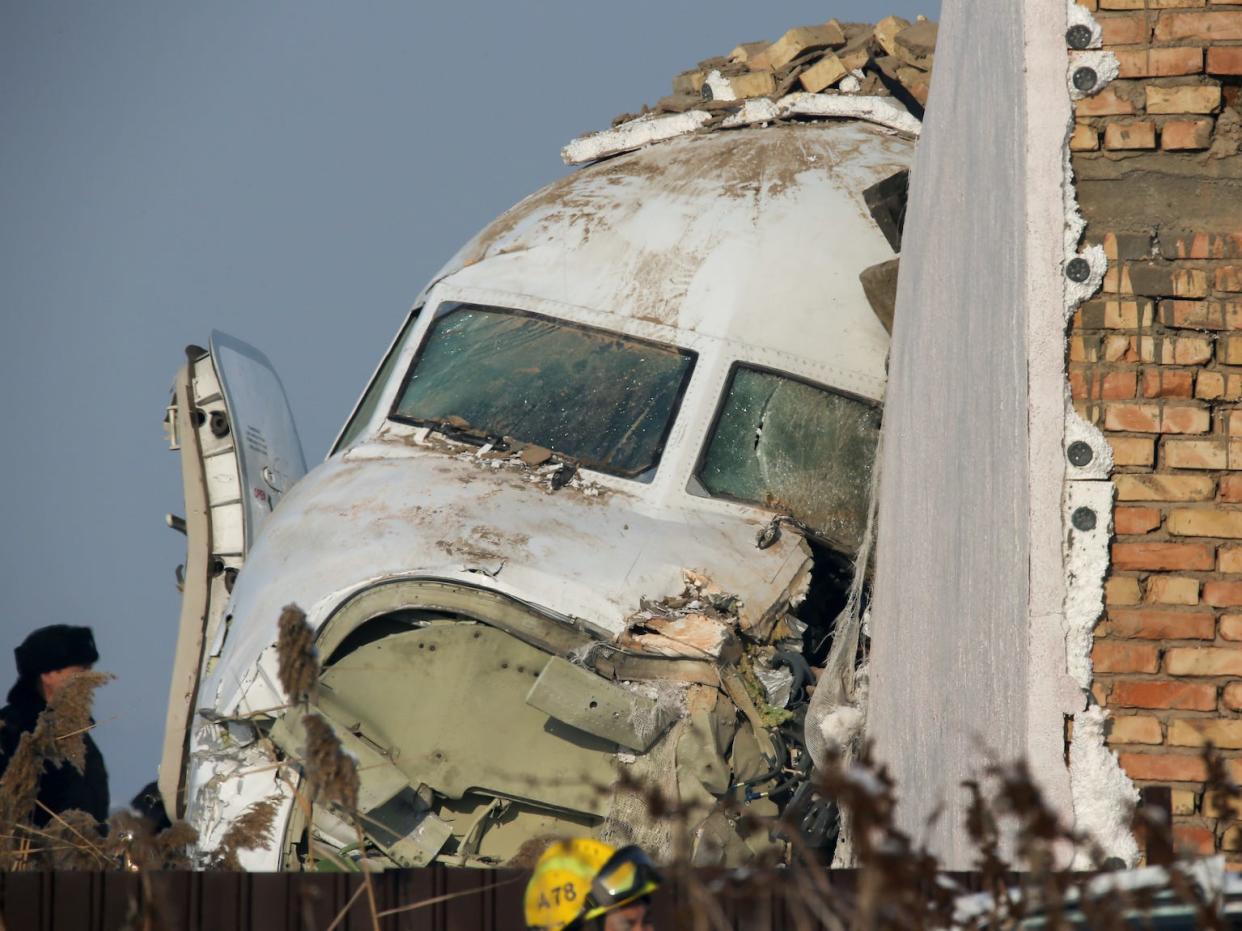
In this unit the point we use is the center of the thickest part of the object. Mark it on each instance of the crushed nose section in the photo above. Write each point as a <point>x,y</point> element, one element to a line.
<point>480,725</point>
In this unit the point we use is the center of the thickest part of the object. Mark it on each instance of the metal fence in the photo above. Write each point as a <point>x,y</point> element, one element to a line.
<point>432,899</point>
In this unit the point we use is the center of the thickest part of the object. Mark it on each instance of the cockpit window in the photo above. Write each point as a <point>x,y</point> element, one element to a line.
<point>600,398</point>
<point>794,448</point>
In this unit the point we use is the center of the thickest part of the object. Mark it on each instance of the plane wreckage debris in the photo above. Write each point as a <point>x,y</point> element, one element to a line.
<point>523,639</point>
<point>880,74</point>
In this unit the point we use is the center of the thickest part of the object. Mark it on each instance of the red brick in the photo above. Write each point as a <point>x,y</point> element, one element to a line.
<point>1185,419</point>
<point>1224,60</point>
<point>1104,386</point>
<point>1194,315</point>
<point>1163,383</point>
<point>1105,103</point>
<point>1195,732</point>
<point>1229,559</point>
<point>1205,522</point>
<point>1084,139</point>
<point>1186,135</point>
<point>1204,661</point>
<point>1135,134</point>
<point>1125,30</point>
<point>1119,315</point>
<point>1194,839</point>
<point>1178,350</point>
<point>1231,488</point>
<point>1194,454</point>
<point>1155,624</point>
<point>1114,656</point>
<point>1209,27</point>
<point>1164,767</point>
<point>1133,450</point>
<point>1136,520</point>
<point>1132,418</point>
<point>1229,277</point>
<point>1165,488</point>
<point>1222,594</point>
<point>1159,62</point>
<point>1232,697</point>
<point>1189,244</point>
<point>1193,98</point>
<point>1159,693</point>
<point>1135,729</point>
<point>1231,627</point>
<point>1172,590</point>
<point>1167,556</point>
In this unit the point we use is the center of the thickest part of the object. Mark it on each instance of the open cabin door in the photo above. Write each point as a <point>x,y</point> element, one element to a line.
<point>240,453</point>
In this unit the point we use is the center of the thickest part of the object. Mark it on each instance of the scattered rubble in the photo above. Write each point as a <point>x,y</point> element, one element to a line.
<point>879,73</point>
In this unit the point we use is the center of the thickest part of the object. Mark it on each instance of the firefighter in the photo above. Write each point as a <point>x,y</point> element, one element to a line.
<point>46,659</point>
<point>587,885</point>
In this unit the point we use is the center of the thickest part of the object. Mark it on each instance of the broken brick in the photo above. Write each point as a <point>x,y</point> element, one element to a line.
<point>1186,135</point>
<point>1127,521</point>
<point>795,42</point>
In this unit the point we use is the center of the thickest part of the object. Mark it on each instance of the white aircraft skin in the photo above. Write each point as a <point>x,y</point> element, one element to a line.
<point>740,246</point>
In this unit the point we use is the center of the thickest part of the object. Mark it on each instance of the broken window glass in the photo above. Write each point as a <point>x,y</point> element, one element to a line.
<point>370,400</point>
<point>601,398</point>
<point>794,448</point>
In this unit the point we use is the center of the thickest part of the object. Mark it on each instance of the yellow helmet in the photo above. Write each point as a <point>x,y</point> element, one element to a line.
<point>578,880</point>
<point>558,888</point>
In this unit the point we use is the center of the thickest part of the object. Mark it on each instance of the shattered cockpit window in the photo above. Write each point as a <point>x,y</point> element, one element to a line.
<point>795,448</point>
<point>601,398</point>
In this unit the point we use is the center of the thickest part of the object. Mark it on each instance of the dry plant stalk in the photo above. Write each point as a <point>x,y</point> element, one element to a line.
<point>297,662</point>
<point>331,774</point>
<point>58,738</point>
<point>251,831</point>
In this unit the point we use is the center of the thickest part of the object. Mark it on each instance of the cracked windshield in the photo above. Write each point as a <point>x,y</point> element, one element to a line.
<point>797,449</point>
<point>597,397</point>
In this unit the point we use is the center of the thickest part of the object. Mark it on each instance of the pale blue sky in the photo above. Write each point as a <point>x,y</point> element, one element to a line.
<point>290,172</point>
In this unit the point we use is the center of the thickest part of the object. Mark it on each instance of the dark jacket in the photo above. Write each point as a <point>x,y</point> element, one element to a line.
<point>61,788</point>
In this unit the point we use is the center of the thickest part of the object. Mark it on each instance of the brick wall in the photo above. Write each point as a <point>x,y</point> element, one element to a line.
<point>1156,361</point>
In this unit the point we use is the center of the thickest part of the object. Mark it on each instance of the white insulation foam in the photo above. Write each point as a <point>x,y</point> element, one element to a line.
<point>648,129</point>
<point>1103,795</point>
<point>1104,64</point>
<point>1086,563</point>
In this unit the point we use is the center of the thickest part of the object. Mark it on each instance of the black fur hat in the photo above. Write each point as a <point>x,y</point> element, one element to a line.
<point>50,648</point>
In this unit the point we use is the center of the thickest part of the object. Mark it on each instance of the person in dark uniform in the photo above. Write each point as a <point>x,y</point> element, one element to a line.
<point>46,660</point>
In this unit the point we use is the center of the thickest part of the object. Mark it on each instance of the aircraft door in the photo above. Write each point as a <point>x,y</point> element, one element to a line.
<point>240,453</point>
